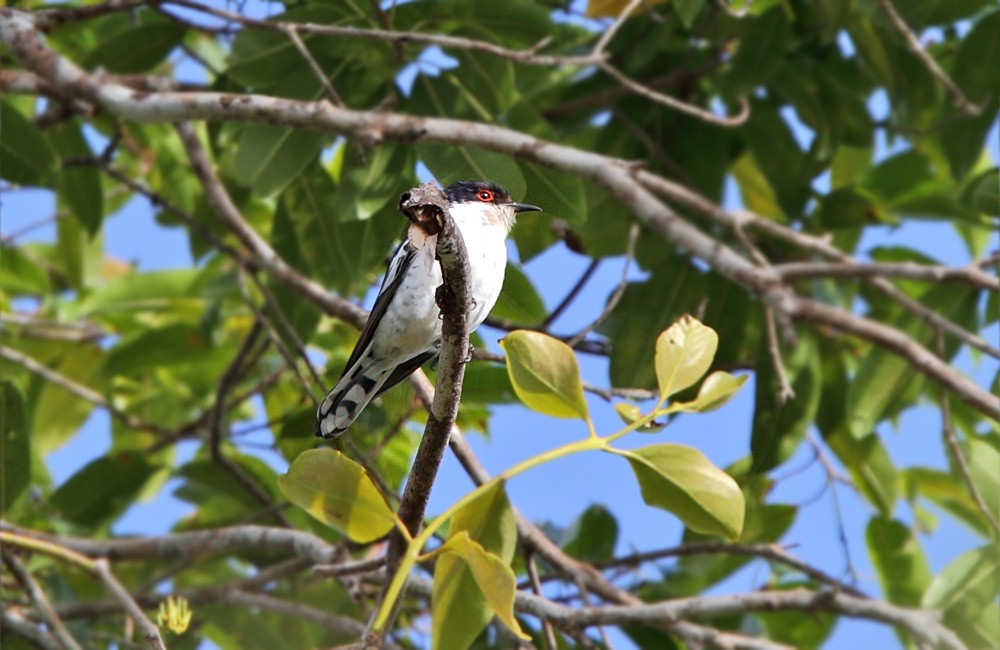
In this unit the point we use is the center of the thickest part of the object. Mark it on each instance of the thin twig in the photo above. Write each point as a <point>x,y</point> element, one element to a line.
<point>293,34</point>
<point>633,235</point>
<point>77,389</point>
<point>573,293</point>
<point>536,587</point>
<point>612,29</point>
<point>39,600</point>
<point>957,96</point>
<point>960,460</point>
<point>785,390</point>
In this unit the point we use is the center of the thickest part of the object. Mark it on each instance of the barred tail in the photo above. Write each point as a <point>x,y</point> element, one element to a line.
<point>344,403</point>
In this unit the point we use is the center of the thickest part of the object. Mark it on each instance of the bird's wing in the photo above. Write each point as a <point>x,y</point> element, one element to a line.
<point>398,267</point>
<point>403,370</point>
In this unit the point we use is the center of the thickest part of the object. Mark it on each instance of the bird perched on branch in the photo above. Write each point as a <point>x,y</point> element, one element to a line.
<point>404,329</point>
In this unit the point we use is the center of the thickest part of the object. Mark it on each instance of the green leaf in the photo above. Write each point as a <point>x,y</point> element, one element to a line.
<point>461,611</point>
<point>519,302</point>
<point>902,568</point>
<point>545,374</point>
<point>948,493</point>
<point>22,272</point>
<point>983,461</point>
<point>630,413</point>
<point>966,591</point>
<point>760,53</point>
<point>136,49</point>
<point>979,81</point>
<point>156,348</point>
<point>785,166</point>
<point>883,378</point>
<point>102,490</point>
<point>15,446</point>
<point>592,536</point>
<point>450,164</point>
<point>717,389</point>
<point>682,480</point>
<point>684,352</point>
<point>496,582</point>
<point>26,157</point>
<point>339,252</point>
<point>687,11</point>
<point>79,186</point>
<point>974,575</point>
<point>982,193</point>
<point>57,414</point>
<point>870,467</point>
<point>153,291</point>
<point>337,491</point>
<point>269,157</point>
<point>778,427</point>
<point>557,193</point>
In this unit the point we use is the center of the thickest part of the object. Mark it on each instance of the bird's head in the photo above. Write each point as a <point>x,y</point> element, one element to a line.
<point>495,203</point>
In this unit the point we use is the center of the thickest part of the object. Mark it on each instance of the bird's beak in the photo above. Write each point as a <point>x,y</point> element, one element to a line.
<point>525,207</point>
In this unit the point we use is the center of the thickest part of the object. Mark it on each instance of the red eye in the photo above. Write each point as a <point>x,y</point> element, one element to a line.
<point>484,195</point>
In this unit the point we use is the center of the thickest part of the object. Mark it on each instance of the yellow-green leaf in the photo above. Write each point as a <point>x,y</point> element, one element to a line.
<point>334,489</point>
<point>494,577</point>
<point>631,414</point>
<point>684,351</point>
<point>461,611</point>
<point>545,374</point>
<point>717,389</point>
<point>682,480</point>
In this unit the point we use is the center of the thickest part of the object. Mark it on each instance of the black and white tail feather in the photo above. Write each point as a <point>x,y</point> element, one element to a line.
<point>366,377</point>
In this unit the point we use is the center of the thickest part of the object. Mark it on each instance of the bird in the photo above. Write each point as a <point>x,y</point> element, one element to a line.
<point>403,331</point>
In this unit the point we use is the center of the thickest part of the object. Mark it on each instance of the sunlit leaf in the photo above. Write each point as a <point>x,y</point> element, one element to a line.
<point>684,352</point>
<point>461,610</point>
<point>717,389</point>
<point>630,414</point>
<point>337,491</point>
<point>682,480</point>
<point>545,374</point>
<point>966,592</point>
<point>493,576</point>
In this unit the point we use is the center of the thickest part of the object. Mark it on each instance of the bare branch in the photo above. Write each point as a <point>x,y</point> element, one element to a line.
<point>971,274</point>
<point>785,391</point>
<point>12,620</point>
<point>39,599</point>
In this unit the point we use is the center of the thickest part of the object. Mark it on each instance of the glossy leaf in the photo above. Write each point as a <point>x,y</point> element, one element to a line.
<point>15,445</point>
<point>337,491</point>
<point>630,414</point>
<point>461,609</point>
<point>684,352</point>
<point>545,374</point>
<point>494,578</point>
<point>683,481</point>
<point>717,389</point>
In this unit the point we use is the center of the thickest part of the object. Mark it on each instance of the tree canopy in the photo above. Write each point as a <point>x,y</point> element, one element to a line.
<point>750,170</point>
